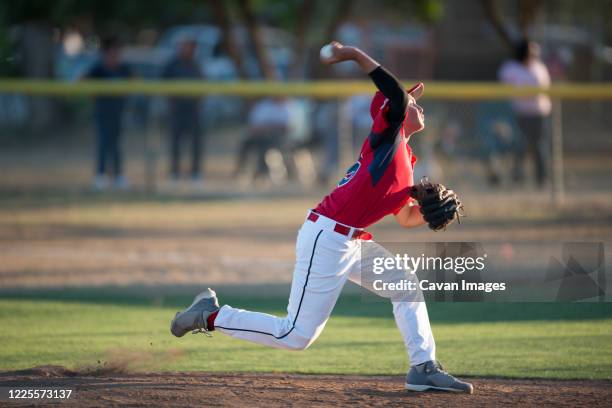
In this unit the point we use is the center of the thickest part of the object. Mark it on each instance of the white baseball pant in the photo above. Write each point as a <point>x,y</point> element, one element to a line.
<point>325,259</point>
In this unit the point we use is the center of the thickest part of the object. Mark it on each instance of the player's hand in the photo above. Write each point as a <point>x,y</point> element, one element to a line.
<point>439,205</point>
<point>339,53</point>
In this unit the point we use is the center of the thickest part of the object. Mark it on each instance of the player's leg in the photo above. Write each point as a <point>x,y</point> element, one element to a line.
<point>409,308</point>
<point>412,320</point>
<point>323,261</point>
<point>321,270</point>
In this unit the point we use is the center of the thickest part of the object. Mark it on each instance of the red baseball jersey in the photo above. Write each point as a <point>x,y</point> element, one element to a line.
<point>378,183</point>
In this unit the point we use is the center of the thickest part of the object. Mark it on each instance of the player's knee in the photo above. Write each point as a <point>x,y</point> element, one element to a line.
<point>299,343</point>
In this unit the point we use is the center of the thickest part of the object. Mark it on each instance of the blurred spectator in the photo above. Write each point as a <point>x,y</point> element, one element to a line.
<point>108,113</point>
<point>496,126</point>
<point>326,117</point>
<point>558,63</point>
<point>298,156</point>
<point>359,108</point>
<point>268,126</point>
<point>349,32</point>
<point>528,70</point>
<point>184,112</point>
<point>325,120</point>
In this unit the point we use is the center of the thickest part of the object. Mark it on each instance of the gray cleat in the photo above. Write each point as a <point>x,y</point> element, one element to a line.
<point>194,317</point>
<point>431,376</point>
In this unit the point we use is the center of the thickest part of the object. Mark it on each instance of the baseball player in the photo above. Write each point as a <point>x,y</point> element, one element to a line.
<point>328,250</point>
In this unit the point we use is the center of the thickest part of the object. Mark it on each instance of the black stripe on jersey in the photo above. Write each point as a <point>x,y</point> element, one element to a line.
<point>383,156</point>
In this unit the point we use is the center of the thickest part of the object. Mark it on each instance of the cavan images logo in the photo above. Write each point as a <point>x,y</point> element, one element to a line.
<point>349,174</point>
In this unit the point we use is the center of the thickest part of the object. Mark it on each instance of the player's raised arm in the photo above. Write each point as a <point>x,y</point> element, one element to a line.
<point>393,90</point>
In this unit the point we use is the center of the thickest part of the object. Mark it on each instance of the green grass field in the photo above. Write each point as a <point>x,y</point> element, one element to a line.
<point>91,330</point>
<point>125,255</point>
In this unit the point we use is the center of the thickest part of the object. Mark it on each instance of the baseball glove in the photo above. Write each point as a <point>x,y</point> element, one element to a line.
<point>439,205</point>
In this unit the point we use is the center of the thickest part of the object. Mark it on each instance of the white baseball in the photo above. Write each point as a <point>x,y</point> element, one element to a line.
<point>326,51</point>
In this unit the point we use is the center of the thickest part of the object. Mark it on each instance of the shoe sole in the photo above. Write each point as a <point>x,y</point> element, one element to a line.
<point>421,388</point>
<point>207,294</point>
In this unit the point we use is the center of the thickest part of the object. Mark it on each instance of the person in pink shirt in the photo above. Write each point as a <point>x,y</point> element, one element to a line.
<point>329,244</point>
<point>527,69</point>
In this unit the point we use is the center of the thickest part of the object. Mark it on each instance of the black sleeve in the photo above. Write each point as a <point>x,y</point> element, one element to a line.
<point>393,91</point>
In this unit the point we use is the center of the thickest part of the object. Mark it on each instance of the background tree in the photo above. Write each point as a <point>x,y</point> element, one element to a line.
<point>312,23</point>
<point>526,14</point>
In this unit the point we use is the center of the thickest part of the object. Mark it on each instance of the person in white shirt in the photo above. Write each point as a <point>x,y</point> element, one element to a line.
<point>268,125</point>
<point>527,69</point>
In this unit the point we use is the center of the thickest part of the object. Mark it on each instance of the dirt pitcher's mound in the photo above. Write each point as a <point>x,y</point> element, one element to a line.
<point>271,390</point>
